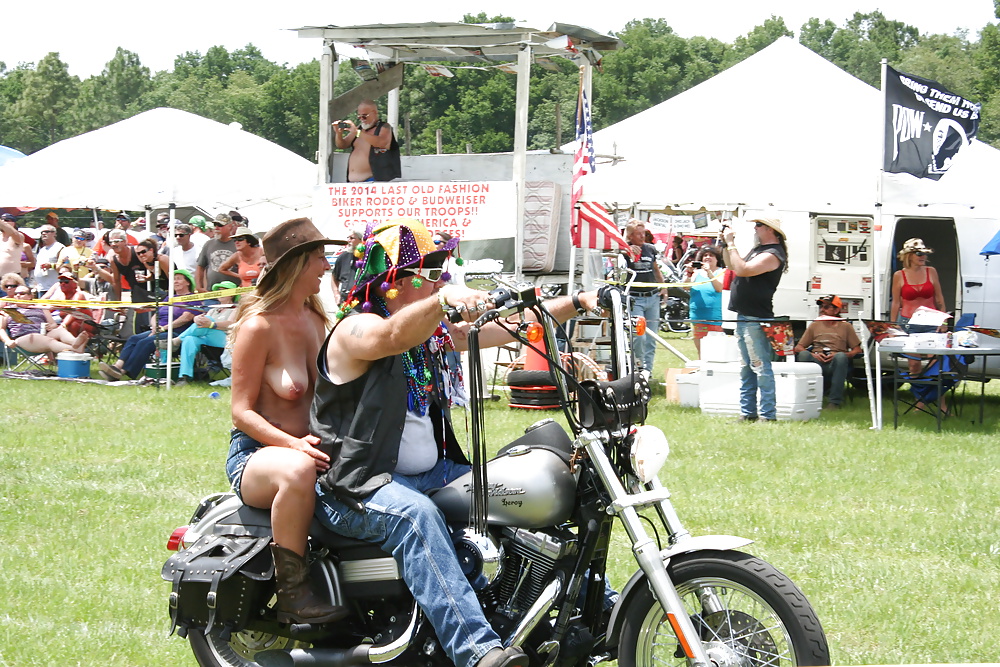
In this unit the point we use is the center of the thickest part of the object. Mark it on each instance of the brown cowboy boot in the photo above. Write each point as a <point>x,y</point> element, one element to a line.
<point>296,601</point>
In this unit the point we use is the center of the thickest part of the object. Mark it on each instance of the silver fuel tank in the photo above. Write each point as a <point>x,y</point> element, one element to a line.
<point>530,483</point>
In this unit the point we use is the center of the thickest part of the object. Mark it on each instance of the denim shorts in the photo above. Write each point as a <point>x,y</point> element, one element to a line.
<point>915,328</point>
<point>241,448</point>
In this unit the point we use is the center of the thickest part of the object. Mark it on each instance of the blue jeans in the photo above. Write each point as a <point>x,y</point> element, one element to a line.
<point>409,526</point>
<point>191,341</point>
<point>644,347</point>
<point>755,373</point>
<point>834,373</point>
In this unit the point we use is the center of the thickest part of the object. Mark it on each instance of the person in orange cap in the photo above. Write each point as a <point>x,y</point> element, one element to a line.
<point>831,342</point>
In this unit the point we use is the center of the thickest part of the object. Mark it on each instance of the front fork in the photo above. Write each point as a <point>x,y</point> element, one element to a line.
<point>646,550</point>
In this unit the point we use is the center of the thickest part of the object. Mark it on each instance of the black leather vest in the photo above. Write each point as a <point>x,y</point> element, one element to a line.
<point>360,424</point>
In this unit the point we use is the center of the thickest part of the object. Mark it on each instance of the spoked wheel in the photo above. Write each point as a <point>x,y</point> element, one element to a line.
<point>213,651</point>
<point>748,615</point>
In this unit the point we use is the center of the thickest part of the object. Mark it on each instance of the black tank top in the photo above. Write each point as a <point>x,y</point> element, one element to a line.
<point>139,290</point>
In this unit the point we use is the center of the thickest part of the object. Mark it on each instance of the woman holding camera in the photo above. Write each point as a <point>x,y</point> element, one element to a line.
<point>705,306</point>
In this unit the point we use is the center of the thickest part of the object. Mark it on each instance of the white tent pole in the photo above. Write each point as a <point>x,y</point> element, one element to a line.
<point>520,152</point>
<point>865,340</point>
<point>876,252</point>
<point>172,208</point>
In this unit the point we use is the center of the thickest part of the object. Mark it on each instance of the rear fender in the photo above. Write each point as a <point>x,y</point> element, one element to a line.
<point>700,543</point>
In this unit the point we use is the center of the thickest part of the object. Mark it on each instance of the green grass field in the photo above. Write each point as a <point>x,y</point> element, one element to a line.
<point>893,535</point>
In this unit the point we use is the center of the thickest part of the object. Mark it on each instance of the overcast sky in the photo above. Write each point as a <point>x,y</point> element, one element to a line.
<point>85,34</point>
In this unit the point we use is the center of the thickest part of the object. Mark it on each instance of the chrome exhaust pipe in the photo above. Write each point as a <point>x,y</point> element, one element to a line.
<point>315,657</point>
<point>363,654</point>
<point>536,613</point>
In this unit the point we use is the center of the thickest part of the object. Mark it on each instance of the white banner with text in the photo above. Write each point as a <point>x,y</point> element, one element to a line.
<point>470,210</point>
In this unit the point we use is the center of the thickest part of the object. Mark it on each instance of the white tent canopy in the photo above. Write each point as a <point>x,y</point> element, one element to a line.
<point>784,128</point>
<point>159,157</point>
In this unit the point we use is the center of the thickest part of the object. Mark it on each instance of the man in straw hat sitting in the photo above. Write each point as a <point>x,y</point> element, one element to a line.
<point>381,406</point>
<point>751,296</point>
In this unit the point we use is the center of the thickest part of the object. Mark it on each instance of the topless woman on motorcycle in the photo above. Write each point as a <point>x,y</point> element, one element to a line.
<point>381,408</point>
<point>273,461</point>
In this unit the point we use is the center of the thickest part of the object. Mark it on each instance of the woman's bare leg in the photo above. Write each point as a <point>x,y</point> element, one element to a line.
<point>283,480</point>
<point>40,343</point>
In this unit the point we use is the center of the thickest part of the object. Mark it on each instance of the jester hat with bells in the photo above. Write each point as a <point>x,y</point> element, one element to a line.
<point>388,250</point>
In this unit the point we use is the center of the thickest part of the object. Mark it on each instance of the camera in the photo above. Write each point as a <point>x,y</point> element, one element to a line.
<point>343,125</point>
<point>696,265</point>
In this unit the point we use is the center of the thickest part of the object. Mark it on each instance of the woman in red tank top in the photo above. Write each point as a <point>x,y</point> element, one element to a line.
<point>915,285</point>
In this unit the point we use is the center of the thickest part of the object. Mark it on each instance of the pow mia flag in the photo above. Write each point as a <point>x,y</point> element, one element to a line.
<point>925,125</point>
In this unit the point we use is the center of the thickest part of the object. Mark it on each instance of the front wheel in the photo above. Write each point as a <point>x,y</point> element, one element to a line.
<point>748,615</point>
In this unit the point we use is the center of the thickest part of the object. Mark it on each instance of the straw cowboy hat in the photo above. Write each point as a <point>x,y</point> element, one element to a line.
<point>773,223</point>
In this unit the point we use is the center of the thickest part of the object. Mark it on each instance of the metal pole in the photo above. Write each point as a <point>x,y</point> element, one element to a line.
<point>586,276</point>
<point>327,78</point>
<point>876,251</point>
<point>520,166</point>
<point>172,208</point>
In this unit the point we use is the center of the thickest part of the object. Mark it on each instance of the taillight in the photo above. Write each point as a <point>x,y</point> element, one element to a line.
<point>640,326</point>
<point>176,538</point>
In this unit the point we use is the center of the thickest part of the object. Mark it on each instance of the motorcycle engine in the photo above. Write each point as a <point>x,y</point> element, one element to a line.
<point>528,558</point>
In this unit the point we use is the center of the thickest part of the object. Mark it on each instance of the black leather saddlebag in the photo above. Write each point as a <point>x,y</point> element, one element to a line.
<point>218,581</point>
<point>605,403</point>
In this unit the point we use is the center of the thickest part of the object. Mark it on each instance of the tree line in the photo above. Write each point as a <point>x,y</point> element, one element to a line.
<point>41,103</point>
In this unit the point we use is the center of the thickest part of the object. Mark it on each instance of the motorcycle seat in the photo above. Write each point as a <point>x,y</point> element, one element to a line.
<point>256,521</point>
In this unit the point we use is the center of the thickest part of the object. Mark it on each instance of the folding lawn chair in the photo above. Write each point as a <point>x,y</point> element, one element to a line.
<point>22,362</point>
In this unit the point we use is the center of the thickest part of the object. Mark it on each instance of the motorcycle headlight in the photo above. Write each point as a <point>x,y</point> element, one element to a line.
<point>649,452</point>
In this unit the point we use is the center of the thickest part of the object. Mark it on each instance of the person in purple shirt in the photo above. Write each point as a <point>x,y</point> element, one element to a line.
<point>140,347</point>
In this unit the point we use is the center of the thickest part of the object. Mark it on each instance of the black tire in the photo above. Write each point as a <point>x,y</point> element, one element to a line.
<point>520,378</point>
<point>763,619</point>
<point>213,651</point>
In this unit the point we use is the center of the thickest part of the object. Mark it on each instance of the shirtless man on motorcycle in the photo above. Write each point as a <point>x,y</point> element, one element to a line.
<point>381,409</point>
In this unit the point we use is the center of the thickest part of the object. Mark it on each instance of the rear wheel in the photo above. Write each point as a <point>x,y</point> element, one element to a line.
<point>748,615</point>
<point>213,651</point>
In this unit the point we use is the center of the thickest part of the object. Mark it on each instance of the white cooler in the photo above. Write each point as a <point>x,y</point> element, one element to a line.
<point>718,347</point>
<point>687,389</point>
<point>798,389</point>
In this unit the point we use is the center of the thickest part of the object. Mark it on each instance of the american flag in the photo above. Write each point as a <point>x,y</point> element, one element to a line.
<point>590,220</point>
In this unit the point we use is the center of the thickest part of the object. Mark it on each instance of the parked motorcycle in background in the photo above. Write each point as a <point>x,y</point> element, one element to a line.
<point>532,528</point>
<point>674,309</point>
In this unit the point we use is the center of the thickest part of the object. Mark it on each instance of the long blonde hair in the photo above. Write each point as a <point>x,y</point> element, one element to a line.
<point>276,294</point>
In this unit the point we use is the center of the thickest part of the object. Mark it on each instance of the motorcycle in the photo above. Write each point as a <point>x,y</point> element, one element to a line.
<point>532,528</point>
<point>674,309</point>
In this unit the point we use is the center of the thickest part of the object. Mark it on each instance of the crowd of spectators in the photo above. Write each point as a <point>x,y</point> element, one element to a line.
<point>132,262</point>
